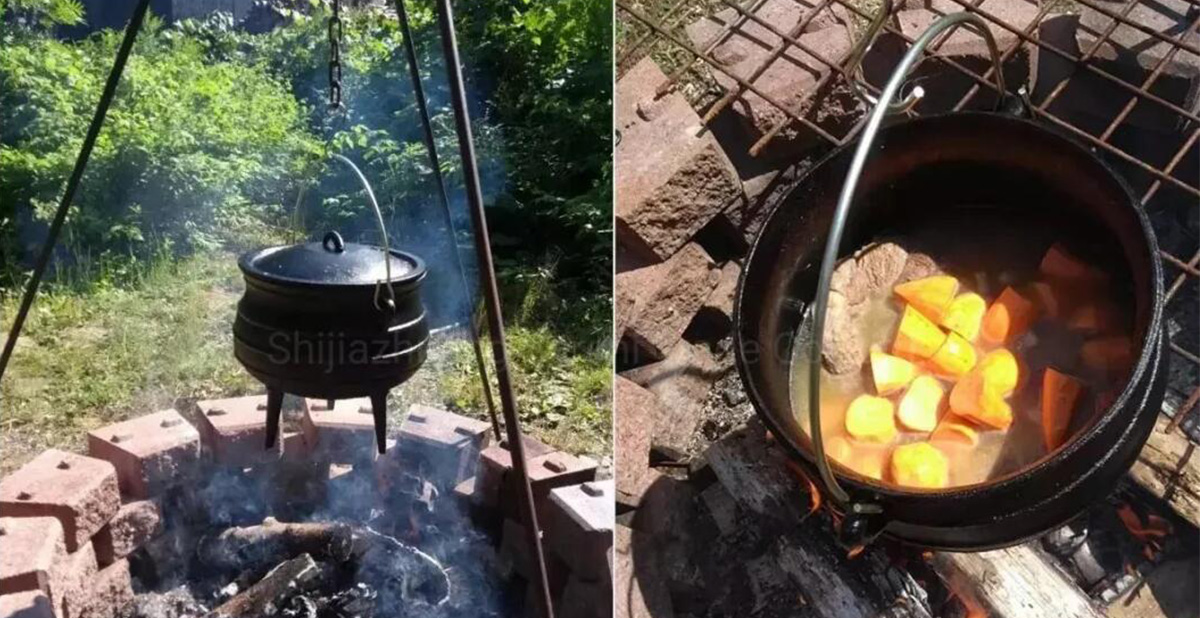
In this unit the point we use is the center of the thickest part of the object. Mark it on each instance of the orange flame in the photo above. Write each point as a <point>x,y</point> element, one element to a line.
<point>814,492</point>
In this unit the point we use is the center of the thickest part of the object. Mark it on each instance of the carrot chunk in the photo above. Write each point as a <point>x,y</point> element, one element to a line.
<point>917,336</point>
<point>931,295</point>
<point>955,429</point>
<point>1049,301</point>
<point>1008,318</point>
<point>955,357</point>
<point>871,419</point>
<point>1098,317</point>
<point>964,315</point>
<point>1060,395</point>
<point>976,398</point>
<point>1058,263</point>
<point>920,465</point>
<point>921,403</point>
<point>1000,368</point>
<point>869,460</point>
<point>891,373</point>
<point>1108,355</point>
<point>838,449</point>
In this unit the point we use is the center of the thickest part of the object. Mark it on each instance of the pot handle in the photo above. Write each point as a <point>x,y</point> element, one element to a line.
<point>390,301</point>
<point>861,151</point>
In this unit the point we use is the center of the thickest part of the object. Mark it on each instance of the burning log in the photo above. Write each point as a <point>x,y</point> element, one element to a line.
<point>254,548</point>
<point>263,598</point>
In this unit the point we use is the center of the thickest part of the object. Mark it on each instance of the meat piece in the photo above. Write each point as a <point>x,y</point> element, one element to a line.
<point>843,348</point>
<point>870,271</point>
<point>918,266</point>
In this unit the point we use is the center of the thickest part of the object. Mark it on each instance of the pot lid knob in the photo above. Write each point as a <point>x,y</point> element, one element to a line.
<point>333,242</point>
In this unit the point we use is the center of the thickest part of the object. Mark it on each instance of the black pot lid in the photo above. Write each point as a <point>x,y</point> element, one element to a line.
<point>330,262</point>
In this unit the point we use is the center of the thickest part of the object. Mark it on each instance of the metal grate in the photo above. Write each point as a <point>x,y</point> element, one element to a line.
<point>1161,182</point>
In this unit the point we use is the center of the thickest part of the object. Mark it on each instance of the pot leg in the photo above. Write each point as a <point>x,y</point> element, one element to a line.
<point>379,411</point>
<point>329,404</point>
<point>274,412</point>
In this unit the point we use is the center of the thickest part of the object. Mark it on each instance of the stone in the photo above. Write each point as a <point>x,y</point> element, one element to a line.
<point>31,545</point>
<point>30,604</point>
<point>108,595</point>
<point>132,526</point>
<point>81,492</point>
<point>495,463</point>
<point>72,577</point>
<point>721,300</point>
<point>637,597</point>
<point>943,84</point>
<point>673,176</point>
<point>669,298</point>
<point>440,446</point>
<point>547,471</point>
<point>680,382</point>
<point>151,453</point>
<point>516,551</point>
<point>234,431</point>
<point>583,599</point>
<point>342,434</point>
<point>577,526</point>
<point>637,413</point>
<point>630,286</point>
<point>784,15</point>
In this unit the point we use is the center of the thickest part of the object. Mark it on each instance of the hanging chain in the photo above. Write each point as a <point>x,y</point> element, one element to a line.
<point>335,57</point>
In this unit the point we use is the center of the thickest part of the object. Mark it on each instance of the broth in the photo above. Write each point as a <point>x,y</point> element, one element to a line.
<point>1054,340</point>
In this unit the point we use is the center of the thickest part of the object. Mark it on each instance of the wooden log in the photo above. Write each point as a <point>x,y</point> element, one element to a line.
<point>1016,582</point>
<point>254,548</point>
<point>286,580</point>
<point>1169,468</point>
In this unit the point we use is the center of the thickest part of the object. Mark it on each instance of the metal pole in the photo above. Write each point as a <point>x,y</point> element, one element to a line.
<point>491,297</point>
<point>85,153</point>
<point>414,71</point>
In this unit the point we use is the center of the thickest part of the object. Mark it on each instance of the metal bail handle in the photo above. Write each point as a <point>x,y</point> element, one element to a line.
<point>390,301</point>
<point>882,107</point>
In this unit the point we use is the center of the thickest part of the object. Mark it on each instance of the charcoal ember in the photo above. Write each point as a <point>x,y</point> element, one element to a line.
<point>843,349</point>
<point>300,607</point>
<point>272,591</point>
<point>170,603</point>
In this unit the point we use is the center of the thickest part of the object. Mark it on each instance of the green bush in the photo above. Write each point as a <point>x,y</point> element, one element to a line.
<point>193,152</point>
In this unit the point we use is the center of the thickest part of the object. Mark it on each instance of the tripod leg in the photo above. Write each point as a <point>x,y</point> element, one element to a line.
<point>379,410</point>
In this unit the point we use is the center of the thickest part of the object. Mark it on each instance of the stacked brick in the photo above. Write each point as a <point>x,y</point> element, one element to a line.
<point>575,513</point>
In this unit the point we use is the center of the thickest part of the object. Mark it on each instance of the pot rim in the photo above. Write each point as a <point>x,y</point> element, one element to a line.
<point>246,265</point>
<point>862,485</point>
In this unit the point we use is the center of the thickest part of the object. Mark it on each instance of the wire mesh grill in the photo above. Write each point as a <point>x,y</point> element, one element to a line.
<point>1161,179</point>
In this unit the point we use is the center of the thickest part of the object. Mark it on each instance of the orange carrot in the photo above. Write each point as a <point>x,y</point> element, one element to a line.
<point>869,460</point>
<point>1058,263</point>
<point>920,465</point>
<point>1111,356</point>
<point>955,429</point>
<point>1049,301</point>
<point>1099,317</point>
<point>931,295</point>
<point>891,373</point>
<point>871,419</point>
<point>955,357</point>
<point>917,336</point>
<point>1008,318</point>
<point>964,315</point>
<point>921,403</point>
<point>976,398</point>
<point>1000,368</point>
<point>1060,395</point>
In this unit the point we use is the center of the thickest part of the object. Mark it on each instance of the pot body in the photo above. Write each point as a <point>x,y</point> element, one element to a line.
<point>329,341</point>
<point>973,166</point>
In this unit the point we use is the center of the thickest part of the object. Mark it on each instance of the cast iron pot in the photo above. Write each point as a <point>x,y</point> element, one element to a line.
<point>317,321</point>
<point>332,320</point>
<point>973,166</point>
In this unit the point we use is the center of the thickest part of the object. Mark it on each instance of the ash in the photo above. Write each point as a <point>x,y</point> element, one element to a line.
<point>245,543</point>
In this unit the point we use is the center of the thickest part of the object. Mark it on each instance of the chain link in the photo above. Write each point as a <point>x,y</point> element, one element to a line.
<point>335,57</point>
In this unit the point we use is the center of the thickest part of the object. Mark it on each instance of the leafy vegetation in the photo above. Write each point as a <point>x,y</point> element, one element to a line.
<point>217,141</point>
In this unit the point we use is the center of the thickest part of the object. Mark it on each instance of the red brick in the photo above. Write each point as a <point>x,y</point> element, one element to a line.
<point>680,383</point>
<point>81,492</point>
<point>32,604</point>
<point>72,577</point>
<point>151,453</point>
<point>636,410</point>
<point>673,176</point>
<point>344,434</point>
<point>443,447</point>
<point>577,525</point>
<point>784,15</point>
<point>515,549</point>
<point>108,595</point>
<point>496,485</point>
<point>234,430</point>
<point>133,525</point>
<point>721,299</point>
<point>296,448</point>
<point>31,546</point>
<point>668,298</point>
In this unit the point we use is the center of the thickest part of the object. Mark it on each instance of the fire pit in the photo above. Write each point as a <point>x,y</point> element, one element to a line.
<point>174,517</point>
